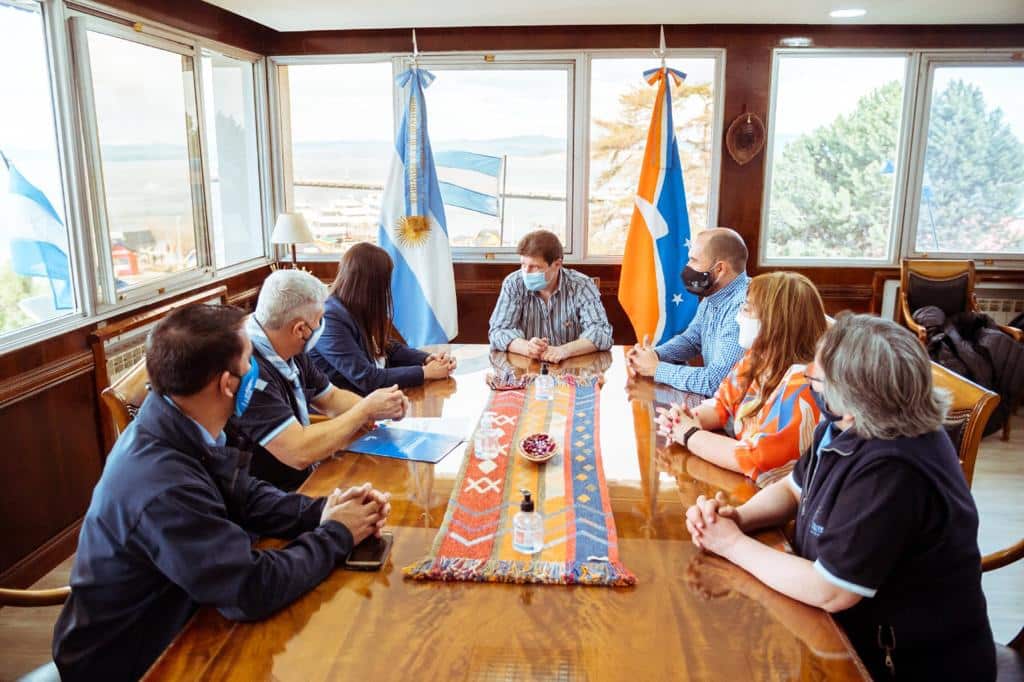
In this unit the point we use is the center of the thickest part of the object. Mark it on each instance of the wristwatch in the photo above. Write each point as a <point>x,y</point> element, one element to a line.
<point>689,432</point>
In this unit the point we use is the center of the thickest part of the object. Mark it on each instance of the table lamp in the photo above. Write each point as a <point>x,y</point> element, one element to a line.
<point>291,228</point>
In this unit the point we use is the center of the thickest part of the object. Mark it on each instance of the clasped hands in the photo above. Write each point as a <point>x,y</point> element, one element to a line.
<point>538,348</point>
<point>439,365</point>
<point>362,509</point>
<point>675,421</point>
<point>713,524</point>
<point>642,359</point>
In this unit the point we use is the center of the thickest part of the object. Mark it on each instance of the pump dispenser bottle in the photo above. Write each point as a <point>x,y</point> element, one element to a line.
<point>527,527</point>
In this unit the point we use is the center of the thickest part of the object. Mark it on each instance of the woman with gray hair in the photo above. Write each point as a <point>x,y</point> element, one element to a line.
<point>886,531</point>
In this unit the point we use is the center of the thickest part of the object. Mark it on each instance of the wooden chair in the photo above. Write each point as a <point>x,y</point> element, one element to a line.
<point>1009,657</point>
<point>949,285</point>
<point>972,406</point>
<point>29,598</point>
<point>124,397</point>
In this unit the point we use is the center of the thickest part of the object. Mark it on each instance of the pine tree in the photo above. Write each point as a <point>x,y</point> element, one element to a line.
<point>621,143</point>
<point>832,189</point>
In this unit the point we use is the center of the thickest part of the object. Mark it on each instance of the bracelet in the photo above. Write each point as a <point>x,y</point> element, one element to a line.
<point>689,432</point>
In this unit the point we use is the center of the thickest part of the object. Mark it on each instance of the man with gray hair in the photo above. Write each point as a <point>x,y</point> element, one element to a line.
<point>286,445</point>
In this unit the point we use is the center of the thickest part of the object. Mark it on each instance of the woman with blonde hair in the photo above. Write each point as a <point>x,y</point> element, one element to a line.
<point>765,405</point>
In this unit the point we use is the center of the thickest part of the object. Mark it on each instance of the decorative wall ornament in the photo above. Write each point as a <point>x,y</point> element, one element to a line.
<point>745,138</point>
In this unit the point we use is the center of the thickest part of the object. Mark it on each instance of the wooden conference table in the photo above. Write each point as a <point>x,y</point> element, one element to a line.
<point>690,615</point>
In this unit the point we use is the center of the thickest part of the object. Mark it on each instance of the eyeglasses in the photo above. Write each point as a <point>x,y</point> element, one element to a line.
<point>812,378</point>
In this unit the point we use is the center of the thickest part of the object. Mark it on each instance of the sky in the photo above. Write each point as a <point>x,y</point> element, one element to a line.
<point>813,91</point>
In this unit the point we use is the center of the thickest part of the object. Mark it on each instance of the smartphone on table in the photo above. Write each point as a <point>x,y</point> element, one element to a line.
<point>370,554</point>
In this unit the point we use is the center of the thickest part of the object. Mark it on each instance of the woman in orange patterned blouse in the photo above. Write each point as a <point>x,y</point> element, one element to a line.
<point>764,405</point>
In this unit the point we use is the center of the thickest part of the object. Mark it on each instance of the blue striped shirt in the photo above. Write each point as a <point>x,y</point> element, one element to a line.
<point>574,311</point>
<point>712,334</point>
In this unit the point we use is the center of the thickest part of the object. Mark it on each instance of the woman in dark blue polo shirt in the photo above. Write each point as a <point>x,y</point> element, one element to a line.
<point>886,529</point>
<point>356,350</point>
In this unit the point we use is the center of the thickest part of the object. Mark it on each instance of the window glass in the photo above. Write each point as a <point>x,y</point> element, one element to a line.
<point>35,268</point>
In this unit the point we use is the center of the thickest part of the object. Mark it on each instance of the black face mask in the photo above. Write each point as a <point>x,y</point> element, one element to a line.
<point>696,282</point>
<point>828,414</point>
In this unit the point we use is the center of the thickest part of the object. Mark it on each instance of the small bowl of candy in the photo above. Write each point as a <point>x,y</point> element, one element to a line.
<point>538,447</point>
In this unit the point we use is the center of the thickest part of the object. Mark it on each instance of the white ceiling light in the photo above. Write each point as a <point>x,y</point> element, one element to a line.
<point>851,13</point>
<point>796,41</point>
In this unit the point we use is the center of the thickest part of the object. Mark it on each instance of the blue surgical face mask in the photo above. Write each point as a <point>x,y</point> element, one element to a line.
<point>828,414</point>
<point>246,385</point>
<point>313,338</point>
<point>534,281</point>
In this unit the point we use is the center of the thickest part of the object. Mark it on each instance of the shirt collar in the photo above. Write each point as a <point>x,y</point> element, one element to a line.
<point>844,443</point>
<point>289,370</point>
<point>218,442</point>
<point>730,289</point>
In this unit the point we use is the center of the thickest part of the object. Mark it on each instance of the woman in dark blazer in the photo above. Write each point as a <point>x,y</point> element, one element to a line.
<point>356,349</point>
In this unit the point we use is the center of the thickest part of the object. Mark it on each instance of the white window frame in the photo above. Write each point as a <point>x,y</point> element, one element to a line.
<point>577,64</point>
<point>900,172</point>
<point>58,21</point>
<point>925,75</point>
<point>55,40</point>
<point>259,75</point>
<point>718,100</point>
<point>109,296</point>
<point>283,194</point>
<point>569,62</point>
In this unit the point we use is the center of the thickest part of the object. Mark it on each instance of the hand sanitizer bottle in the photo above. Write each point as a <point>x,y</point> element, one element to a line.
<point>486,445</point>
<point>545,385</point>
<point>527,527</point>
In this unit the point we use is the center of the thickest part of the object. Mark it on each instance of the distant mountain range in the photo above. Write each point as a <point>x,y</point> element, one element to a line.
<point>522,145</point>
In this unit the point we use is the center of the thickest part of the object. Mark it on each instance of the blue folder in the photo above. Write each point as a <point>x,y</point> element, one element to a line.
<point>414,446</point>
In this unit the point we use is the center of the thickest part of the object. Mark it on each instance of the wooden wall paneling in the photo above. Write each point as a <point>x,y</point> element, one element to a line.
<point>47,474</point>
<point>200,18</point>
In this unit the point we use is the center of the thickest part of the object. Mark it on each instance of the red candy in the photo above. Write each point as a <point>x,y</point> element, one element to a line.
<point>538,445</point>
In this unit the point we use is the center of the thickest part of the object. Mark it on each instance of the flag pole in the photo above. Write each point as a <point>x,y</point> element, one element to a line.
<point>7,163</point>
<point>660,52</point>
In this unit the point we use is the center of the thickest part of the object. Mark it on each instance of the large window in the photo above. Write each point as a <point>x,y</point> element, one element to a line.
<point>970,193</point>
<point>233,158</point>
<point>518,115</point>
<point>621,102</point>
<point>148,134</point>
<point>35,267</point>
<point>834,156</point>
<point>337,137</point>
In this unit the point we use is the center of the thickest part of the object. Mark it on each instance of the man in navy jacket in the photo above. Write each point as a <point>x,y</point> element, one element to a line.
<point>170,523</point>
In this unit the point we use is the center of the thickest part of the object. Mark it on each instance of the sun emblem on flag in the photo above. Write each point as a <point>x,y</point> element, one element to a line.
<point>412,230</point>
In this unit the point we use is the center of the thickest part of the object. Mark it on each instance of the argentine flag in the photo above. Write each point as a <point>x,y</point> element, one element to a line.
<point>29,214</point>
<point>657,246</point>
<point>413,229</point>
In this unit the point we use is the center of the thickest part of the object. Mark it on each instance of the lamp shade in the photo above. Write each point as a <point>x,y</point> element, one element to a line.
<point>291,228</point>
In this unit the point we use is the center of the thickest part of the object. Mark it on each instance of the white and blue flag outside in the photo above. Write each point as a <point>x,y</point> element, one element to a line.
<point>36,237</point>
<point>30,214</point>
<point>413,229</point>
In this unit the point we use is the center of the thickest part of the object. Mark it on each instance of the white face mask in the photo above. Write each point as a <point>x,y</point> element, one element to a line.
<point>749,329</point>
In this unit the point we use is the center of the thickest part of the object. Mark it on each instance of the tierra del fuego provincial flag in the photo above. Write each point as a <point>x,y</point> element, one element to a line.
<point>657,246</point>
<point>413,229</point>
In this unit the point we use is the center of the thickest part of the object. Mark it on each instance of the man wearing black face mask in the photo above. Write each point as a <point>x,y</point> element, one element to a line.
<point>168,528</point>
<point>716,271</point>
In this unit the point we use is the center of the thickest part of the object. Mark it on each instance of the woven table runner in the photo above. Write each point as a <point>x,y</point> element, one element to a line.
<point>474,542</point>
